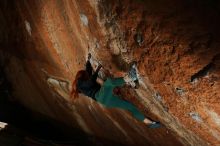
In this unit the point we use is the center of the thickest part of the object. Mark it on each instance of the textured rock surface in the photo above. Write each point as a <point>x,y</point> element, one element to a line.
<point>176,44</point>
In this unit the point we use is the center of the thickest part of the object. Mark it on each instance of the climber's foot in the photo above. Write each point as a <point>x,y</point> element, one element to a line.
<point>133,71</point>
<point>154,125</point>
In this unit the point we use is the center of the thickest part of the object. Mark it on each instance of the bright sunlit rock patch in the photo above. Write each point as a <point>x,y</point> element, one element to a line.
<point>2,125</point>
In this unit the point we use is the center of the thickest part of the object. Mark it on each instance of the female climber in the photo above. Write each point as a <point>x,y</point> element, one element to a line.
<point>88,83</point>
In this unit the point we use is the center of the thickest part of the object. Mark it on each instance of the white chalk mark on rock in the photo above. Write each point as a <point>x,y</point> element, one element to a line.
<point>215,117</point>
<point>180,91</point>
<point>158,96</point>
<point>195,116</point>
<point>84,19</point>
<point>28,27</point>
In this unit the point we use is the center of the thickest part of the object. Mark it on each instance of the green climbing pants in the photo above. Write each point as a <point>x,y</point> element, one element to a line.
<point>106,97</point>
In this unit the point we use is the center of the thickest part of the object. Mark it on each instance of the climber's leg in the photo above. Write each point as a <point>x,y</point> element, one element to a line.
<point>106,97</point>
<point>116,102</point>
<point>115,82</point>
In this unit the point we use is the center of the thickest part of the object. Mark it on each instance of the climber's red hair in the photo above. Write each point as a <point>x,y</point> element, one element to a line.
<point>80,75</point>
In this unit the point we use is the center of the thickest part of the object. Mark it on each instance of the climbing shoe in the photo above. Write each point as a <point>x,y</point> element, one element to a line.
<point>154,125</point>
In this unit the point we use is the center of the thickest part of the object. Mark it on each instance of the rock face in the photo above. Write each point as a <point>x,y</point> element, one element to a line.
<point>176,45</point>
